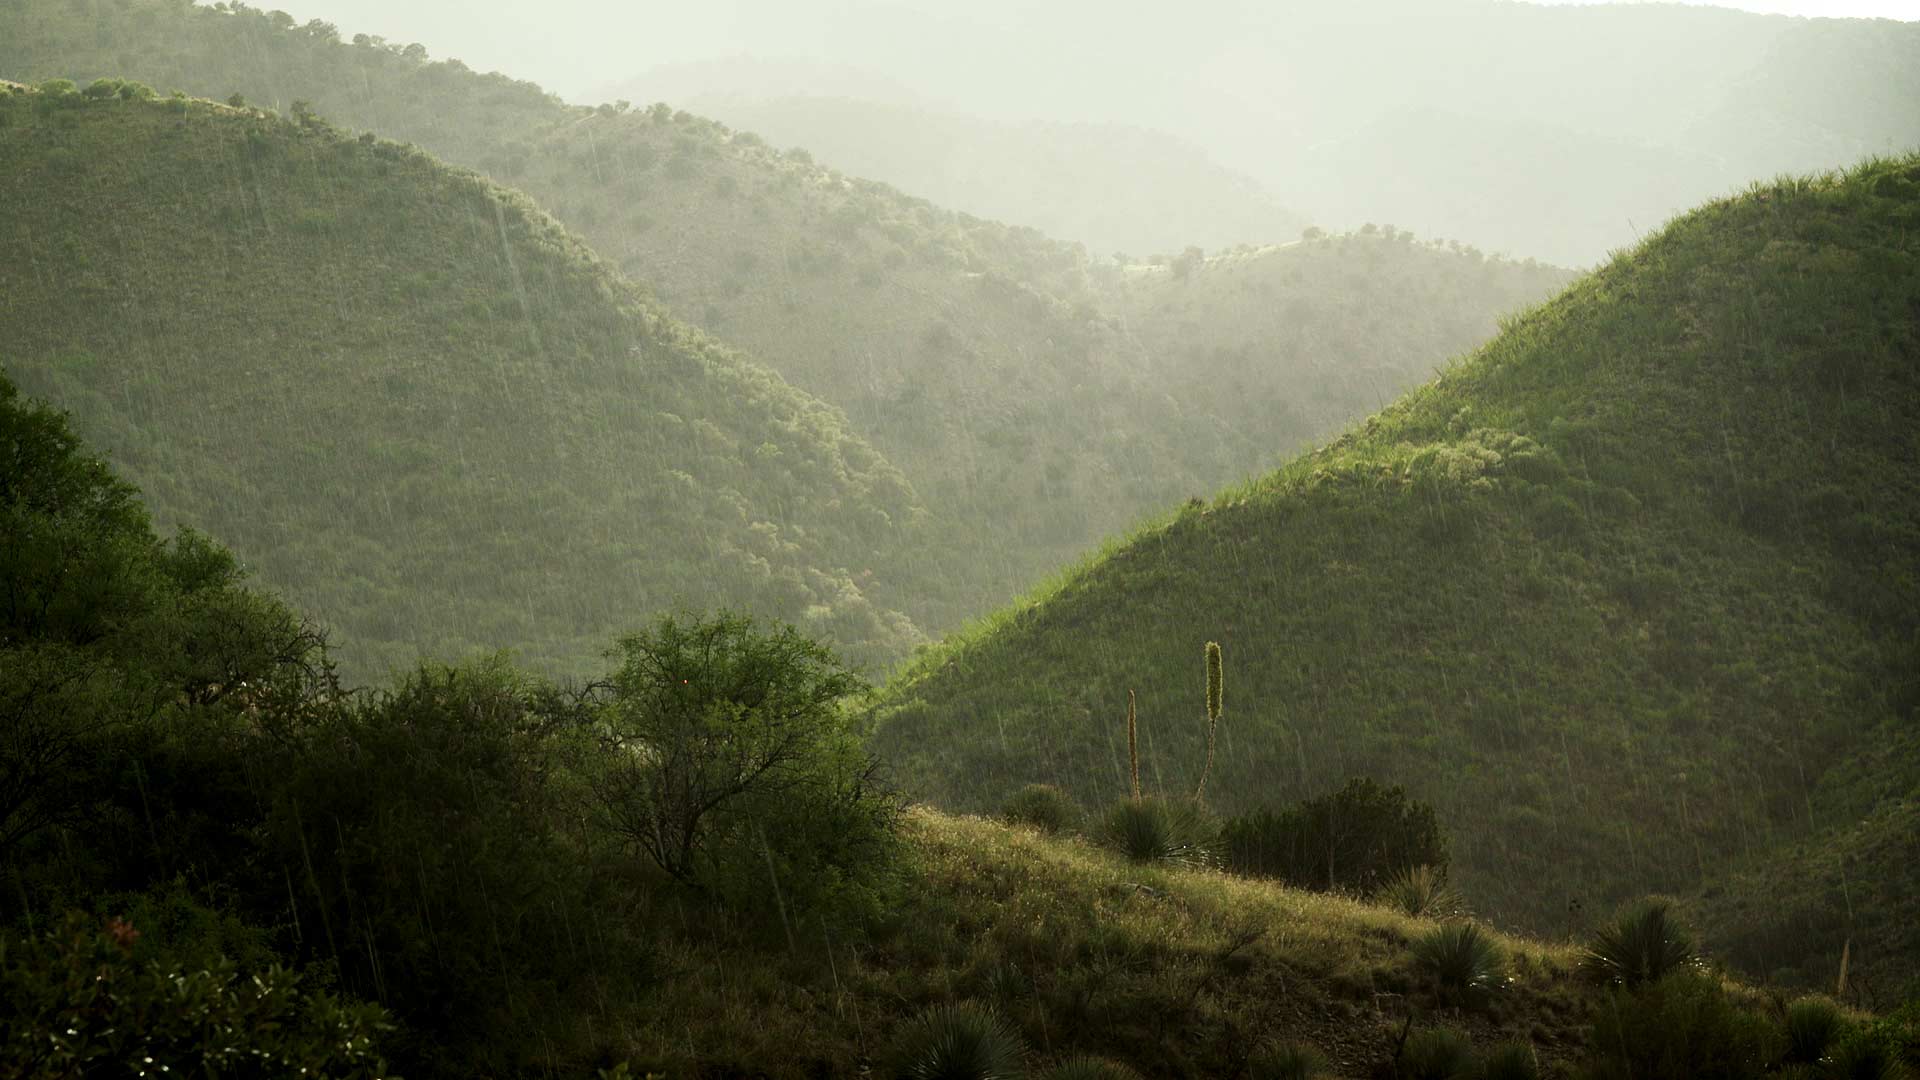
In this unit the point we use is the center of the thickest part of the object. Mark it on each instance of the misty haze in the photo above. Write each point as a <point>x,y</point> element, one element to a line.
<point>1367,539</point>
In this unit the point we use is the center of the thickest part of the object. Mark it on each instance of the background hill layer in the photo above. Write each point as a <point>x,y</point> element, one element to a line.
<point>1630,594</point>
<point>409,398</point>
<point>1003,372</point>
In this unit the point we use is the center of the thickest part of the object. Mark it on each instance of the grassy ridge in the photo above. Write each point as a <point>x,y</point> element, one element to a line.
<point>1621,593</point>
<point>997,368</point>
<point>389,383</point>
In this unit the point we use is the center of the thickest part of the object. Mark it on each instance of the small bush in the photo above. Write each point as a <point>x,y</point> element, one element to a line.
<point>1682,1027</point>
<point>1511,1061</point>
<point>1461,957</point>
<point>1042,806</point>
<point>958,1042</point>
<point>1177,831</point>
<point>1644,945</point>
<point>1422,892</point>
<point>1436,1054</point>
<point>1814,1025</point>
<point>1352,839</point>
<point>1292,1062</point>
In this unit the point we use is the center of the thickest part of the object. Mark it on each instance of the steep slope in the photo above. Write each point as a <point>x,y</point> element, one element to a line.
<point>1629,593</point>
<point>985,362</point>
<point>409,398</point>
<point>1304,337</point>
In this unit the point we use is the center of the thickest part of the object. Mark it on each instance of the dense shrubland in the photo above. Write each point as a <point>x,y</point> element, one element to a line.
<point>242,867</point>
<point>414,403</point>
<point>1628,597</point>
<point>1033,398</point>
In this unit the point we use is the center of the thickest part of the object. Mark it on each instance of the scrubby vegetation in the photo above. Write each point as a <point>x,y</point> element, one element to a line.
<point>389,383</point>
<point>1033,400</point>
<point>434,860</point>
<point>1627,596</point>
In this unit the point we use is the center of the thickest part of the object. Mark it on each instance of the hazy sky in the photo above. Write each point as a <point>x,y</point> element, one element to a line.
<point>1832,9</point>
<point>571,46</point>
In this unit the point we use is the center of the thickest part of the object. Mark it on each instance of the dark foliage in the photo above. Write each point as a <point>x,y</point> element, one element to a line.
<point>1356,838</point>
<point>1681,1028</point>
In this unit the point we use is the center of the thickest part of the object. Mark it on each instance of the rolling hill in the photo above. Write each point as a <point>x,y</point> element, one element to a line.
<point>1111,187</point>
<point>989,364</point>
<point>409,398</point>
<point>1629,594</point>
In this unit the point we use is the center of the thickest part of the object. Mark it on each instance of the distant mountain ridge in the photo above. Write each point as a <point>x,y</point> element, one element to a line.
<point>1111,187</point>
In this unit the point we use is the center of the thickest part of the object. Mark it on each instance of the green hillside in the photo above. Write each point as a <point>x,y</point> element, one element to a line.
<point>1307,336</point>
<point>1630,593</point>
<point>410,399</point>
<point>994,366</point>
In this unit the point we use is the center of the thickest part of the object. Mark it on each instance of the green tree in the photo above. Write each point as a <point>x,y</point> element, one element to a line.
<point>735,769</point>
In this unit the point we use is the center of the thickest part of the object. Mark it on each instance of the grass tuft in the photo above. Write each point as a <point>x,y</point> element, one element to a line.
<point>1152,830</point>
<point>958,1042</point>
<point>1461,957</point>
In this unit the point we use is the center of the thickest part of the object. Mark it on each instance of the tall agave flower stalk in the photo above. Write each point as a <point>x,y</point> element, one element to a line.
<point>1216,678</point>
<point>1133,747</point>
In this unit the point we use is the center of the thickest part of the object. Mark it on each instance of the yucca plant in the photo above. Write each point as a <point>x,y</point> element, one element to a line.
<point>958,1042</point>
<point>1814,1024</point>
<point>1422,892</point>
<point>1642,946</point>
<point>1461,957</point>
<point>1216,690</point>
<point>1511,1061</point>
<point>1436,1054</point>
<point>1291,1062</point>
<point>1089,1068</point>
<point>1177,831</point>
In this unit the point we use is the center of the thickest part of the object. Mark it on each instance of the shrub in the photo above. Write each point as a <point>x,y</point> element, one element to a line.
<point>734,768</point>
<point>1866,1059</point>
<point>1643,945</point>
<point>1461,957</point>
<point>1682,1027</point>
<point>1813,1025</point>
<point>1436,1054</point>
<point>79,1003</point>
<point>1511,1061</point>
<point>1042,806</point>
<point>1422,892</point>
<point>1177,831</point>
<point>418,833</point>
<point>1354,838</point>
<point>1292,1062</point>
<point>958,1042</point>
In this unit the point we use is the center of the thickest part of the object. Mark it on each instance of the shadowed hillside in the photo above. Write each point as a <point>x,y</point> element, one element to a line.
<point>409,398</point>
<point>1629,593</point>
